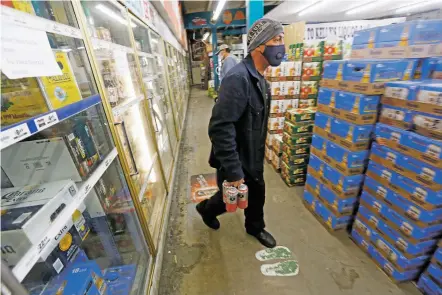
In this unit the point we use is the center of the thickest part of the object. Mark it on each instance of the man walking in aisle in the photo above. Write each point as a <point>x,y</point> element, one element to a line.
<point>238,128</point>
<point>229,61</point>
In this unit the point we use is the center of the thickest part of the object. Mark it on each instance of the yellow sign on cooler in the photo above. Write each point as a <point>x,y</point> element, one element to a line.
<point>61,90</point>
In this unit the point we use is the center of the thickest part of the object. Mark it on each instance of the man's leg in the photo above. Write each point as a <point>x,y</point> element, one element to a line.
<point>211,208</point>
<point>254,213</point>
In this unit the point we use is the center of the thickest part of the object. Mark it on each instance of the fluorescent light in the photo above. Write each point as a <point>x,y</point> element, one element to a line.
<point>113,15</point>
<point>218,9</point>
<point>206,35</point>
<point>414,5</point>
<point>310,8</point>
<point>362,8</point>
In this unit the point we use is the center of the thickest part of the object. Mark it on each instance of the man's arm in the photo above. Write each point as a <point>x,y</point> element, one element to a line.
<point>233,99</point>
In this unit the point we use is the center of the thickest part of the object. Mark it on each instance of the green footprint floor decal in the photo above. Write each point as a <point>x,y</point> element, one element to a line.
<point>278,252</point>
<point>281,269</point>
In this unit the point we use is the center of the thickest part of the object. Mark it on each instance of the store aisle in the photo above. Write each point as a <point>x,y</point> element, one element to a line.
<point>198,260</point>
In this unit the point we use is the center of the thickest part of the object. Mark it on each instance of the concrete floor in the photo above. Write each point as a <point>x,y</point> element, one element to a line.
<point>198,260</point>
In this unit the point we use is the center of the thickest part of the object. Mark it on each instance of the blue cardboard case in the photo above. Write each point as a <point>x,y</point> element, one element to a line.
<point>326,95</point>
<point>397,116</point>
<point>393,235</point>
<point>431,68</point>
<point>406,226</point>
<point>345,157</point>
<point>351,132</point>
<point>333,69</point>
<point>340,205</point>
<point>405,90</point>
<point>367,36</point>
<point>428,286</point>
<point>438,255</point>
<point>85,278</point>
<point>427,147</point>
<point>435,272</point>
<point>323,121</point>
<point>401,204</point>
<point>339,154</point>
<point>120,279</point>
<point>406,187</point>
<point>390,270</point>
<point>342,183</point>
<point>412,33</point>
<point>359,240</point>
<point>372,71</point>
<point>357,103</point>
<point>430,92</point>
<point>421,172</point>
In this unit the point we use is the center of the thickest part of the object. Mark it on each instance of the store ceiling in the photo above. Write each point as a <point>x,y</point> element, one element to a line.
<point>204,5</point>
<point>335,10</point>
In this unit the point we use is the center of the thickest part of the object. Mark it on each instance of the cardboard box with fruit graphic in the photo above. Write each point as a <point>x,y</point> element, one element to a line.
<point>313,51</point>
<point>309,89</point>
<point>311,71</point>
<point>332,50</point>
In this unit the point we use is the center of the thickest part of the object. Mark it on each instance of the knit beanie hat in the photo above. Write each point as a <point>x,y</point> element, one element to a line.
<point>262,31</point>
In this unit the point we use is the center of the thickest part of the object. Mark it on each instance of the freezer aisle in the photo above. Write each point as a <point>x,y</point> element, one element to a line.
<point>198,260</point>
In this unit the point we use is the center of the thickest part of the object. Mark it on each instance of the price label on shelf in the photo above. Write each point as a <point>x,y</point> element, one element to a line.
<point>24,19</point>
<point>14,134</point>
<point>46,121</point>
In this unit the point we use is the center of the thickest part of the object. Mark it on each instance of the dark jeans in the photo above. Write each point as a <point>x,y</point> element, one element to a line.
<point>254,213</point>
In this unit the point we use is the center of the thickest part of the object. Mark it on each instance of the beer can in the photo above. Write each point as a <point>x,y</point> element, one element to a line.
<point>243,196</point>
<point>231,199</point>
<point>225,188</point>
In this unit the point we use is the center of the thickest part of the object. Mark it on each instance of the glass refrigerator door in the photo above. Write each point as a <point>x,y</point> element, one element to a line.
<point>65,203</point>
<point>108,28</point>
<point>152,78</point>
<point>174,93</point>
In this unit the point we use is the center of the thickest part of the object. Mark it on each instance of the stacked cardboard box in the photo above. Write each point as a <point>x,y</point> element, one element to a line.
<point>402,199</point>
<point>400,214</point>
<point>297,137</point>
<point>347,111</point>
<point>430,282</point>
<point>402,40</point>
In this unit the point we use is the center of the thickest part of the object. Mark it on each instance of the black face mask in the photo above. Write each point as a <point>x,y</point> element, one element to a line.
<point>274,54</point>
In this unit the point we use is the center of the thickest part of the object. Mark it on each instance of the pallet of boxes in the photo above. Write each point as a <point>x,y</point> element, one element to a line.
<point>399,219</point>
<point>430,281</point>
<point>285,88</point>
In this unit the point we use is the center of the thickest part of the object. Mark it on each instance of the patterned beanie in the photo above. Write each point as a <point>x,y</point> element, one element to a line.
<point>262,31</point>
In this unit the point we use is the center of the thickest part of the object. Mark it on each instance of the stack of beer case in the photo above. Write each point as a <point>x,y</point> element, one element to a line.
<point>430,281</point>
<point>347,111</point>
<point>296,140</point>
<point>399,219</point>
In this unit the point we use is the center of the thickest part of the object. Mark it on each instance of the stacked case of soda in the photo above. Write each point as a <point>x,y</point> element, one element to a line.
<point>399,220</point>
<point>296,140</point>
<point>430,281</point>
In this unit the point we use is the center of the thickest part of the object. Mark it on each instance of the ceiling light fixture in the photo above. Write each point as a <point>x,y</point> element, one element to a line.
<point>113,15</point>
<point>420,4</point>
<point>310,8</point>
<point>363,7</point>
<point>206,35</point>
<point>218,9</point>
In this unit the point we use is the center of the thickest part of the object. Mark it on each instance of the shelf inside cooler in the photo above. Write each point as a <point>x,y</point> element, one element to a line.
<point>16,132</point>
<point>32,255</point>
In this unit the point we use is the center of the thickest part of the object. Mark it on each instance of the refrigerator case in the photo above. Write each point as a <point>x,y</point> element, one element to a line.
<point>64,193</point>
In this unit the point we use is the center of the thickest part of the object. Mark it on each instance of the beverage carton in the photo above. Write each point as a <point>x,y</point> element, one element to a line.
<point>295,150</point>
<point>372,71</point>
<point>345,157</point>
<point>294,159</point>
<point>351,132</point>
<point>368,36</point>
<point>412,33</point>
<point>296,139</point>
<point>405,90</point>
<point>275,88</point>
<point>311,71</point>
<point>431,68</point>
<point>331,220</point>
<point>428,125</point>
<point>313,50</point>
<point>309,89</point>
<point>356,103</point>
<point>333,70</point>
<point>85,278</point>
<point>297,68</point>
<point>332,49</point>
<point>293,170</point>
<point>396,116</point>
<point>300,115</point>
<point>428,285</point>
<point>430,93</point>
<point>292,128</point>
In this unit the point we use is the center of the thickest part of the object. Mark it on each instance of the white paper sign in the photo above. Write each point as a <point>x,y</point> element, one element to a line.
<point>26,53</point>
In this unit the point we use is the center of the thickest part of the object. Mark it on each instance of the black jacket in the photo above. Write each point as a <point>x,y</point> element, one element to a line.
<point>238,125</point>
